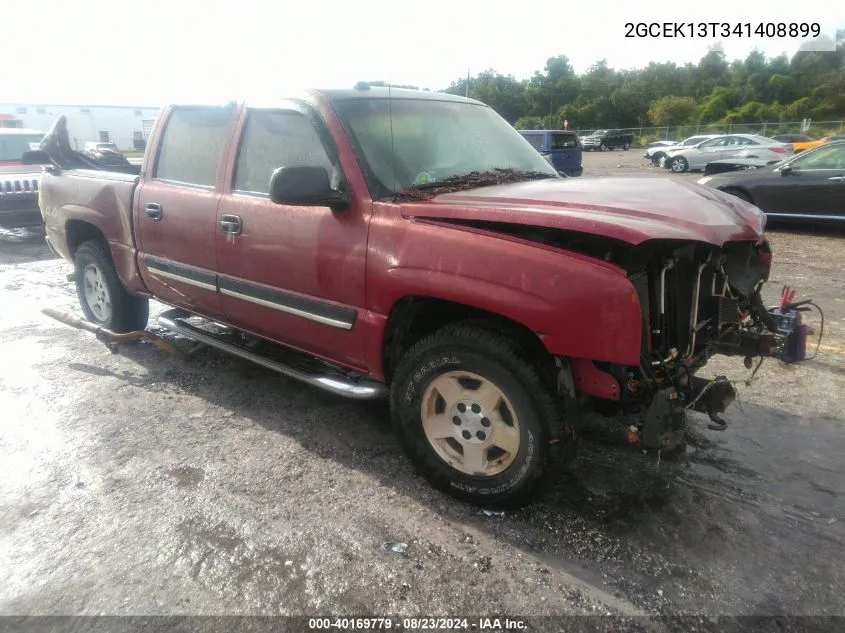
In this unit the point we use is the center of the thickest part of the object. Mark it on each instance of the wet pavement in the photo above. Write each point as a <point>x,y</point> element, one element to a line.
<point>142,484</point>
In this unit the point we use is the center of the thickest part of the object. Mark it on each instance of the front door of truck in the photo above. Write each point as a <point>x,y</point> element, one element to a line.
<point>176,208</point>
<point>294,274</point>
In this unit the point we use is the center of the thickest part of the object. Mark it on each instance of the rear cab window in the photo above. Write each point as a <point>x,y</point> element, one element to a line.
<point>192,145</point>
<point>563,140</point>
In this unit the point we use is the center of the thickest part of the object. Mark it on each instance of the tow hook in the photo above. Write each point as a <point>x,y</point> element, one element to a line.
<point>112,340</point>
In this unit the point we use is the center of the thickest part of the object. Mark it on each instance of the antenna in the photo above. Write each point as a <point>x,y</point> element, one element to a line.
<point>392,147</point>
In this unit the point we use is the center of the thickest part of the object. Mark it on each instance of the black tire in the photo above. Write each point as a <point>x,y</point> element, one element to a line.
<point>126,313</point>
<point>655,159</point>
<point>678,164</point>
<point>497,359</point>
<point>625,147</point>
<point>602,147</point>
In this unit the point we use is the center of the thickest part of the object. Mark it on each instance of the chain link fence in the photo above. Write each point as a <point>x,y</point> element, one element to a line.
<point>816,129</point>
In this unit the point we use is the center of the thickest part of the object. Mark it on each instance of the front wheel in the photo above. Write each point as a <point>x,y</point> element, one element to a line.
<point>474,416</point>
<point>603,147</point>
<point>102,297</point>
<point>679,164</point>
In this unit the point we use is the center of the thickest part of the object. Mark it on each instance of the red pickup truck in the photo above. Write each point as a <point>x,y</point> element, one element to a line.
<point>378,242</point>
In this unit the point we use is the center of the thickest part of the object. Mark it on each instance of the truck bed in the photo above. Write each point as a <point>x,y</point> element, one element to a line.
<point>103,199</point>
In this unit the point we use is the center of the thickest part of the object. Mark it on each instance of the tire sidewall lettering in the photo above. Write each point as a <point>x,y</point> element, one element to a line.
<point>423,372</point>
<point>510,483</point>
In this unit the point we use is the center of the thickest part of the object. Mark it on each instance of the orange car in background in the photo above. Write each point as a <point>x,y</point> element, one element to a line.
<point>800,147</point>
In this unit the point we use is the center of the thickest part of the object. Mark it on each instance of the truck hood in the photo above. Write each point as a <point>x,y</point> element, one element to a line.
<point>632,210</point>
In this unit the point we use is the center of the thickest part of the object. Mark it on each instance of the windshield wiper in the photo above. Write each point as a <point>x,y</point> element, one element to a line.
<point>470,180</point>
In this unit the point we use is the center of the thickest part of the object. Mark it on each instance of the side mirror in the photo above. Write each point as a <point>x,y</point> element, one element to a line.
<point>306,186</point>
<point>786,170</point>
<point>35,157</point>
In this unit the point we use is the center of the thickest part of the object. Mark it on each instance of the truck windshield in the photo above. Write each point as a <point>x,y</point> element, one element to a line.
<point>13,145</point>
<point>433,142</point>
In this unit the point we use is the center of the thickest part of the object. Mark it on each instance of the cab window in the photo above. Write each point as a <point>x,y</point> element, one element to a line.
<point>191,146</point>
<point>273,139</point>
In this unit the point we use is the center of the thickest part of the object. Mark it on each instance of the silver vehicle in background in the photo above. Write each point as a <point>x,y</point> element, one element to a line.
<point>656,154</point>
<point>680,159</point>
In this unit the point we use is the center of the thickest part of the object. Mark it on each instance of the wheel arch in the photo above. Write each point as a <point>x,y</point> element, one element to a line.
<point>78,231</point>
<point>413,317</point>
<point>739,191</point>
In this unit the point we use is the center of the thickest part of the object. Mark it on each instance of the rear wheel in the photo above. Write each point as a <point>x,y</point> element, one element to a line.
<point>473,415</point>
<point>679,164</point>
<point>625,147</point>
<point>102,297</point>
<point>603,147</point>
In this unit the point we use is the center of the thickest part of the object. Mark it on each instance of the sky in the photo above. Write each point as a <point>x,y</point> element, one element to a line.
<point>153,52</point>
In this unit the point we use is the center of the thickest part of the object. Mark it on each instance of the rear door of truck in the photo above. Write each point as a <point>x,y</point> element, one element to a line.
<point>176,206</point>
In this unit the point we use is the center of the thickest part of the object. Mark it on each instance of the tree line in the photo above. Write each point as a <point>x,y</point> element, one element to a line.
<point>715,90</point>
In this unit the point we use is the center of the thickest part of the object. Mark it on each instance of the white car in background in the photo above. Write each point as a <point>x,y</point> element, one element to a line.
<point>681,159</point>
<point>655,154</point>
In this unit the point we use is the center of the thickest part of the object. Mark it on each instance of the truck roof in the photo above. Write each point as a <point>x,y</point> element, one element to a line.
<point>363,91</point>
<point>347,94</point>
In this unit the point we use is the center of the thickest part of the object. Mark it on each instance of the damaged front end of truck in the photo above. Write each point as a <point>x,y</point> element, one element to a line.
<point>698,300</point>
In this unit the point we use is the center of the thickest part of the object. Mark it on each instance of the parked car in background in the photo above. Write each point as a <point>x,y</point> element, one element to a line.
<point>101,147</point>
<point>18,181</point>
<point>696,157</point>
<point>792,138</point>
<point>561,148</point>
<point>604,140</point>
<point>107,155</point>
<point>736,164</point>
<point>810,185</point>
<point>655,154</point>
<point>654,144</point>
<point>14,142</point>
<point>803,146</point>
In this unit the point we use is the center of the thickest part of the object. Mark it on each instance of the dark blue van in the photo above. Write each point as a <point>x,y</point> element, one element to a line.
<point>560,147</point>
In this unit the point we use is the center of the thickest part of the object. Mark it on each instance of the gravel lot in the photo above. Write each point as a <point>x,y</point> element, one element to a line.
<point>141,484</point>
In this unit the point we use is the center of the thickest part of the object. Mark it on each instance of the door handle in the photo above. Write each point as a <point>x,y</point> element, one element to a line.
<point>153,210</point>
<point>837,178</point>
<point>230,224</point>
